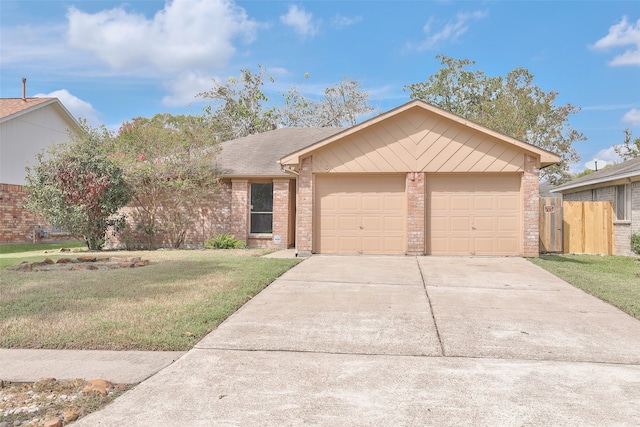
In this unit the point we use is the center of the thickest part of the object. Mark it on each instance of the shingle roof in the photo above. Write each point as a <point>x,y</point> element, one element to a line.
<point>630,168</point>
<point>11,106</point>
<point>257,155</point>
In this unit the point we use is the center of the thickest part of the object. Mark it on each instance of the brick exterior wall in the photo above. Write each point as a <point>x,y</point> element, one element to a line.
<point>240,209</point>
<point>304,223</point>
<point>416,220</point>
<point>18,225</point>
<point>531,207</point>
<point>281,210</point>
<point>213,218</point>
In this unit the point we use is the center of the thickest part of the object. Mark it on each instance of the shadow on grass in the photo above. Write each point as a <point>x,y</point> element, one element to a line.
<point>562,258</point>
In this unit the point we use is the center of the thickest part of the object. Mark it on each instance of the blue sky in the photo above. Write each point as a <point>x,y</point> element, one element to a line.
<point>110,61</point>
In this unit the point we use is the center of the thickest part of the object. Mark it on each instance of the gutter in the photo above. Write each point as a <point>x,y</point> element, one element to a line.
<point>596,181</point>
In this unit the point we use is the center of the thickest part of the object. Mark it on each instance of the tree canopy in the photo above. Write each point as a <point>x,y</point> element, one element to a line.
<point>628,149</point>
<point>510,104</point>
<point>169,165</point>
<point>77,188</point>
<point>241,106</point>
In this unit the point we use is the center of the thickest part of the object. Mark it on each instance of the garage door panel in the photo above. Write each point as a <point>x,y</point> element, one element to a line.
<point>473,214</point>
<point>360,214</point>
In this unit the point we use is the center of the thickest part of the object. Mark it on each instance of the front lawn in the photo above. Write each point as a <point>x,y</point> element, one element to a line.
<point>168,305</point>
<point>615,279</point>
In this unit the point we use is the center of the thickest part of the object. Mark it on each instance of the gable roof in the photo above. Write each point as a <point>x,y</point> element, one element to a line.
<point>10,108</point>
<point>546,157</point>
<point>257,155</point>
<point>625,170</point>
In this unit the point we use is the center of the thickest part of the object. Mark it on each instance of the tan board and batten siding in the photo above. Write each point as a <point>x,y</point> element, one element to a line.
<point>461,189</point>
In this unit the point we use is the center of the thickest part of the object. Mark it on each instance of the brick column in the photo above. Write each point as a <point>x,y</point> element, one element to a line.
<point>531,207</point>
<point>416,221</point>
<point>281,211</point>
<point>240,209</point>
<point>304,212</point>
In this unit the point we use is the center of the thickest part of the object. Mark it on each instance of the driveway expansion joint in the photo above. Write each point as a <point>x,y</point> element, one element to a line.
<point>433,316</point>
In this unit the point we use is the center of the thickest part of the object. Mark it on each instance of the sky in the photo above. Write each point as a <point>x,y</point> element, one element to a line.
<point>111,61</point>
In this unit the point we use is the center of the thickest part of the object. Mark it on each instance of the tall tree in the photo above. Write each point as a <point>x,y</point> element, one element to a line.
<point>169,164</point>
<point>343,104</point>
<point>77,188</point>
<point>240,106</point>
<point>628,149</point>
<point>512,105</point>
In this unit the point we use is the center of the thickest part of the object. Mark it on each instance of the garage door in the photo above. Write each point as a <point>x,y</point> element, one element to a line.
<point>359,214</point>
<point>473,214</point>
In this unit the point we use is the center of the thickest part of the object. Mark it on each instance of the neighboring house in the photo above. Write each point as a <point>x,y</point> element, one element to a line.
<point>619,184</point>
<point>414,180</point>
<point>27,126</point>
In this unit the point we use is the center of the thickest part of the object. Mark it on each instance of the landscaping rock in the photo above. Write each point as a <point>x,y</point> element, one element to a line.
<point>64,261</point>
<point>53,422</point>
<point>70,416</point>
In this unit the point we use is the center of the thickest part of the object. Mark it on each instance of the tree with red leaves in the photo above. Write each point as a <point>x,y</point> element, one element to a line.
<point>77,188</point>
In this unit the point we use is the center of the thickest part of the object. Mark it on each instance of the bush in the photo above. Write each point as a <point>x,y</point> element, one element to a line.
<point>224,241</point>
<point>635,243</point>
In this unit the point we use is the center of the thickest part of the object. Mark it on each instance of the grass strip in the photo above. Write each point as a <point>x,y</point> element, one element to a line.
<point>614,279</point>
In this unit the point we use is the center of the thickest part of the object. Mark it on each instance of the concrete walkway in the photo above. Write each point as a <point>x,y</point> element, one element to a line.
<point>126,367</point>
<point>402,341</point>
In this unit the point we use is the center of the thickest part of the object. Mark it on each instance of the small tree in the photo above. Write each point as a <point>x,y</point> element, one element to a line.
<point>76,187</point>
<point>628,149</point>
<point>169,164</point>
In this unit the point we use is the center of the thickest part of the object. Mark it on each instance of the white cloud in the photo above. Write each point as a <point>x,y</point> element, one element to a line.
<point>184,89</point>
<point>340,21</point>
<point>76,106</point>
<point>184,35</point>
<point>301,21</point>
<point>632,116</point>
<point>450,31</point>
<point>621,35</point>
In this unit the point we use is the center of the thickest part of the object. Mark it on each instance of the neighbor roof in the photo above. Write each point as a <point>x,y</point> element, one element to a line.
<point>257,155</point>
<point>11,108</point>
<point>628,169</point>
<point>547,158</point>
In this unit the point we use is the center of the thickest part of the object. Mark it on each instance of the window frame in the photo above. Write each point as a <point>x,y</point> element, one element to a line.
<point>623,197</point>
<point>255,213</point>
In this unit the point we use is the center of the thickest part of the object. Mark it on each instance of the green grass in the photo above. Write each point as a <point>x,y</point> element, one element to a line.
<point>614,279</point>
<point>168,305</point>
<point>13,248</point>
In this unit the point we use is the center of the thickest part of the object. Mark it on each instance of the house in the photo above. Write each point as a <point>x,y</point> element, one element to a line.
<point>619,184</point>
<point>414,180</point>
<point>27,126</point>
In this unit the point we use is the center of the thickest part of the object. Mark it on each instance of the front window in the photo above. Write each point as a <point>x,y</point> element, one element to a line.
<point>623,202</point>
<point>261,207</point>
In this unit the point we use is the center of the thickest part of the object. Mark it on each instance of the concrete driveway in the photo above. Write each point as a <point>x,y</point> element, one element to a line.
<point>403,341</point>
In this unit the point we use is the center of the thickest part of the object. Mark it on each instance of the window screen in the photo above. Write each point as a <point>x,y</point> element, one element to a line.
<point>261,208</point>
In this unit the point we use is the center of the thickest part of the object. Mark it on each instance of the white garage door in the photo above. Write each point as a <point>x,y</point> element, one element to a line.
<point>474,214</point>
<point>359,214</point>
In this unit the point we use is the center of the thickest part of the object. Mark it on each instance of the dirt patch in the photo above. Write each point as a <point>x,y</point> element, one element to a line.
<point>33,404</point>
<point>87,262</point>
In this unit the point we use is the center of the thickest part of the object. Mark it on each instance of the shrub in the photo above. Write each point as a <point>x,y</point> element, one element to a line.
<point>224,241</point>
<point>635,243</point>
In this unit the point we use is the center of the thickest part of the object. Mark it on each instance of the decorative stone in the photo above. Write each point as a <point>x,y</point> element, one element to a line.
<point>53,422</point>
<point>70,416</point>
<point>64,261</point>
<point>87,259</point>
<point>100,383</point>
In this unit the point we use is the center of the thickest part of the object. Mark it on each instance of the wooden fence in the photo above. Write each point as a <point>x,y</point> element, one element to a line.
<point>588,227</point>
<point>551,224</point>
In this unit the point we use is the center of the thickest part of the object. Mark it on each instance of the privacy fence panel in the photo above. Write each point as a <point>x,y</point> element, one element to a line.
<point>588,227</point>
<point>551,225</point>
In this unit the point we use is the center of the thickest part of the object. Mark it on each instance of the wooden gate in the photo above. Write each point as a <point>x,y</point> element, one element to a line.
<point>588,227</point>
<point>551,224</point>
